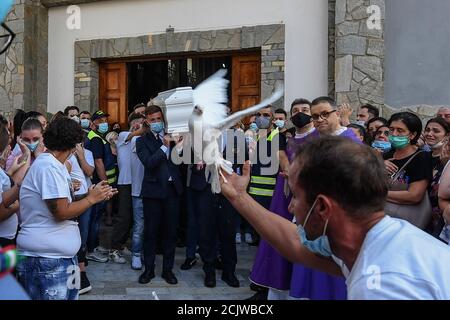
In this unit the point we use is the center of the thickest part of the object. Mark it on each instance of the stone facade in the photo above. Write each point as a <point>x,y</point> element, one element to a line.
<point>270,39</point>
<point>359,54</point>
<point>331,47</point>
<point>356,55</point>
<point>23,68</point>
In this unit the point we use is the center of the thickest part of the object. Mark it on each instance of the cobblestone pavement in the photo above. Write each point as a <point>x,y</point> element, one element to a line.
<point>112,281</point>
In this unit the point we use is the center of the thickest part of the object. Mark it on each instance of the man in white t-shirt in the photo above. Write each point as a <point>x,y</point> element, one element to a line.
<point>339,191</point>
<point>123,219</point>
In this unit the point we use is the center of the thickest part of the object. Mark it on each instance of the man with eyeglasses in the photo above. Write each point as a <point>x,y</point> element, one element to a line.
<point>444,113</point>
<point>326,119</point>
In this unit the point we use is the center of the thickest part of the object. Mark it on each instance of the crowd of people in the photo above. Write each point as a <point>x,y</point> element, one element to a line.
<point>59,178</point>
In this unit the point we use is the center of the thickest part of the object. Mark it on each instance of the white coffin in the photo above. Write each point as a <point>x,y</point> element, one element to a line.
<point>177,105</point>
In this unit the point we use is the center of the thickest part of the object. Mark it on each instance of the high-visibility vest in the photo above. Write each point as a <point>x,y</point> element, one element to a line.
<point>264,185</point>
<point>111,172</point>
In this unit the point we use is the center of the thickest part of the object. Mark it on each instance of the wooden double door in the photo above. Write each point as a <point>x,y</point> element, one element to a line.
<point>245,86</point>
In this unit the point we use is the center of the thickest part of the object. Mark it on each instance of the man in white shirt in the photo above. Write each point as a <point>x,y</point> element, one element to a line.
<point>123,218</point>
<point>339,191</point>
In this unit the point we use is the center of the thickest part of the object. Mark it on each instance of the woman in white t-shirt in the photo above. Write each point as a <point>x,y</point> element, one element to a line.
<point>30,139</point>
<point>9,192</point>
<point>49,239</point>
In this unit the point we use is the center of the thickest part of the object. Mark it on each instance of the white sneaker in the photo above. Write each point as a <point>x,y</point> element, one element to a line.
<point>136,263</point>
<point>97,257</point>
<point>248,238</point>
<point>238,238</point>
<point>101,250</point>
<point>116,257</point>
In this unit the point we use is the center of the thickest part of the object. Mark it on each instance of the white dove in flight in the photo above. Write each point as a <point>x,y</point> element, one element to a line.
<point>209,120</point>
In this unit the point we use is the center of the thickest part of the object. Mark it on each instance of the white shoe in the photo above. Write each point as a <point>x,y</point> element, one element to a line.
<point>101,250</point>
<point>116,257</point>
<point>238,238</point>
<point>248,238</point>
<point>97,257</point>
<point>136,263</point>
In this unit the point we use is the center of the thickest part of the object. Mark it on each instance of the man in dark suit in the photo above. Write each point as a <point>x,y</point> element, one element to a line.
<point>211,221</point>
<point>161,192</point>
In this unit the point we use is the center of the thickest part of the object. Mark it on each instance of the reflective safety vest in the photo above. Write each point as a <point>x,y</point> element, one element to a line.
<point>263,185</point>
<point>110,166</point>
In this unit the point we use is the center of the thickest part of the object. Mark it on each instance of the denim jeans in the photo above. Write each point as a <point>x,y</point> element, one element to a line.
<point>83,225</point>
<point>49,279</point>
<point>138,226</point>
<point>94,225</point>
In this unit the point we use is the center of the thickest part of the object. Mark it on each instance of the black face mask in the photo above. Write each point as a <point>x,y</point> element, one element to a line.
<point>301,119</point>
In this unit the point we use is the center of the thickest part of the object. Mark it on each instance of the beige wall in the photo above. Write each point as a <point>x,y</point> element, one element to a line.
<point>306,35</point>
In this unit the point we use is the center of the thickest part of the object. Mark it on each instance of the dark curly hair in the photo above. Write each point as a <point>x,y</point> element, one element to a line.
<point>63,134</point>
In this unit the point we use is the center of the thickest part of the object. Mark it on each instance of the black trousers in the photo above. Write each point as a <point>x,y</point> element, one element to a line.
<point>217,224</point>
<point>123,219</point>
<point>161,215</point>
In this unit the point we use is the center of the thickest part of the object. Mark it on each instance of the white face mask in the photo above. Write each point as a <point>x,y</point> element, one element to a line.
<point>76,119</point>
<point>437,145</point>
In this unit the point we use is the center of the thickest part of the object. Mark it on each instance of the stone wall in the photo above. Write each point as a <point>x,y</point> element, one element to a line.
<point>23,68</point>
<point>57,3</point>
<point>12,67</point>
<point>331,47</point>
<point>270,39</point>
<point>359,74</point>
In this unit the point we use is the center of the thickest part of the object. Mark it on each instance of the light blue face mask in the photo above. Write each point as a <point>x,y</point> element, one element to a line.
<point>253,126</point>
<point>157,127</point>
<point>384,146</point>
<point>361,123</point>
<point>103,128</point>
<point>33,146</point>
<point>280,124</point>
<point>321,245</point>
<point>85,123</point>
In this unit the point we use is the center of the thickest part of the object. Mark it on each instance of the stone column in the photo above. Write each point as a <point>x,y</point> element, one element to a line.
<point>359,75</point>
<point>23,68</point>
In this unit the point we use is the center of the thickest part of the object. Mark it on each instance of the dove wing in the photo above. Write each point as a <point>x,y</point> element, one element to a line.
<point>212,96</point>
<point>235,117</point>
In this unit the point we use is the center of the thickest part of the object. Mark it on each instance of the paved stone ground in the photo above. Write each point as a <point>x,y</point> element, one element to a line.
<point>111,281</point>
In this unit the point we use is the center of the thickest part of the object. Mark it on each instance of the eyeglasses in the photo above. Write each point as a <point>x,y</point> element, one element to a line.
<point>324,115</point>
<point>6,39</point>
<point>444,116</point>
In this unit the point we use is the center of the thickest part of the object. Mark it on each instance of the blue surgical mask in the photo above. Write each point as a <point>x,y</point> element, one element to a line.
<point>280,124</point>
<point>361,123</point>
<point>32,146</point>
<point>157,127</point>
<point>253,127</point>
<point>262,122</point>
<point>103,128</point>
<point>384,146</point>
<point>321,245</point>
<point>85,123</point>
